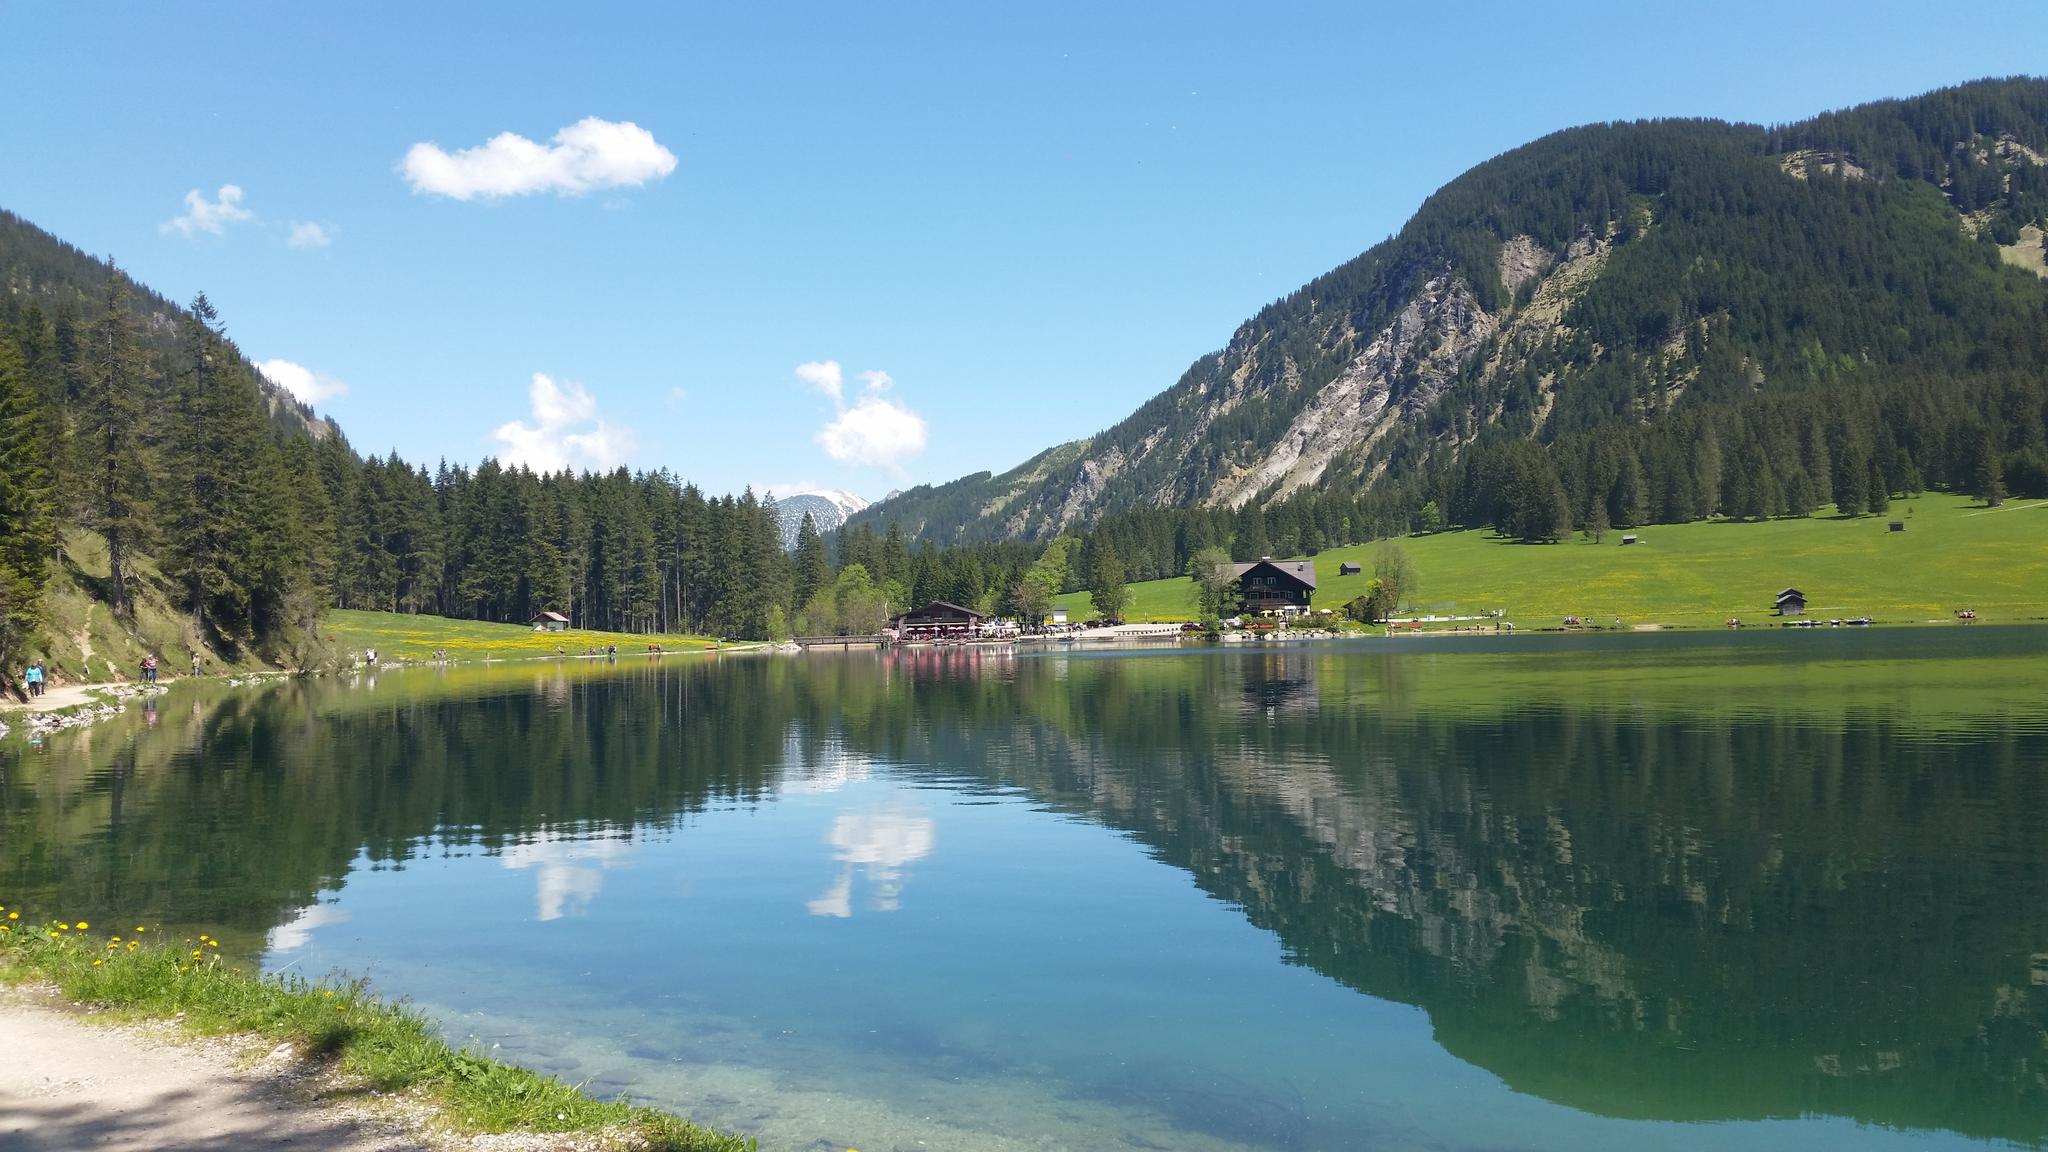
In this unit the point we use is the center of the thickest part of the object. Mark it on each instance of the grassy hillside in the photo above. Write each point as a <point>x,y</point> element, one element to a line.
<point>82,640</point>
<point>397,636</point>
<point>1953,554</point>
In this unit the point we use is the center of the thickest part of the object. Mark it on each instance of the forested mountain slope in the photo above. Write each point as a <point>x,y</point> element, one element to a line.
<point>157,494</point>
<point>1621,322</point>
<point>45,279</point>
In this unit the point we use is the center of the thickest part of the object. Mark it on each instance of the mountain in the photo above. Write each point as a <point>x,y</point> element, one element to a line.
<point>60,281</point>
<point>829,508</point>
<point>1624,276</point>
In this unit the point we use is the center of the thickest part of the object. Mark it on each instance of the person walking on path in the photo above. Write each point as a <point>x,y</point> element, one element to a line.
<point>195,663</point>
<point>32,679</point>
<point>149,669</point>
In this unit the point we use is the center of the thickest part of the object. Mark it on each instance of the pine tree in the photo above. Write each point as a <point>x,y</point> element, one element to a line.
<point>1877,498</point>
<point>26,543</point>
<point>1852,479</point>
<point>814,572</point>
<point>218,526</point>
<point>118,483</point>
<point>1987,470</point>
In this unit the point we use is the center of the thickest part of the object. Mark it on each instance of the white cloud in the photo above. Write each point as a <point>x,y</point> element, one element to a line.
<point>308,386</point>
<point>824,375</point>
<point>566,434</point>
<point>874,430</point>
<point>587,155</point>
<point>307,234</point>
<point>209,216</point>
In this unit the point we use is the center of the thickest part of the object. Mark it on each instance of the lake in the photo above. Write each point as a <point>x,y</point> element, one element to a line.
<point>1770,890</point>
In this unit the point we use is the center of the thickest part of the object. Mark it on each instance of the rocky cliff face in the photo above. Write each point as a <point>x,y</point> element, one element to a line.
<point>1594,275</point>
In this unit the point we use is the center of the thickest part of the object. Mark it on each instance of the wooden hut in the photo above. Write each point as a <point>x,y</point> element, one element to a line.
<point>550,621</point>
<point>1791,602</point>
<point>1350,569</point>
<point>938,620</point>
<point>1268,585</point>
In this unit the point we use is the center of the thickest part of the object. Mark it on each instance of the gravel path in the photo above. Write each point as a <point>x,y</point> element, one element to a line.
<point>67,1084</point>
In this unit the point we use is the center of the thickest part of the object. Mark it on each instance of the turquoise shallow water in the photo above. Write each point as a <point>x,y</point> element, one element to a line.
<point>1640,892</point>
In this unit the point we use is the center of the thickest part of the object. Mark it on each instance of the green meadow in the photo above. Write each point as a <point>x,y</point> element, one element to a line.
<point>1954,554</point>
<point>398,636</point>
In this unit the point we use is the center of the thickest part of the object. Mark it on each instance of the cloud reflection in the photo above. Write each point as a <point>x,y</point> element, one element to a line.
<point>568,873</point>
<point>881,843</point>
<point>297,932</point>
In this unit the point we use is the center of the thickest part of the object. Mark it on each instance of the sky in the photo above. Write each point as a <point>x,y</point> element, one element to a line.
<point>858,246</point>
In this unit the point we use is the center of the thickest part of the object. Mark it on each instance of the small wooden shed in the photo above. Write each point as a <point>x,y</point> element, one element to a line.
<point>550,621</point>
<point>1350,569</point>
<point>1791,602</point>
<point>1898,526</point>
<point>1627,540</point>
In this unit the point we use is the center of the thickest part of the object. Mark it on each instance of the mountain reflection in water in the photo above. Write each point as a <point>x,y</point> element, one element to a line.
<point>1665,879</point>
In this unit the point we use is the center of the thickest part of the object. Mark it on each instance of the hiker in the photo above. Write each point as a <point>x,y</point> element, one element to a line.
<point>195,663</point>
<point>32,679</point>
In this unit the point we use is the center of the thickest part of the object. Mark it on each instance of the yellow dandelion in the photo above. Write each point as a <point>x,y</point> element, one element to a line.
<point>195,951</point>
<point>213,943</point>
<point>97,963</point>
<point>82,925</point>
<point>131,945</point>
<point>14,915</point>
<point>140,928</point>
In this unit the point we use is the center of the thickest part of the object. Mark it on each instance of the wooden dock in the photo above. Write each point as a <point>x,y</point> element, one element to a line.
<point>842,643</point>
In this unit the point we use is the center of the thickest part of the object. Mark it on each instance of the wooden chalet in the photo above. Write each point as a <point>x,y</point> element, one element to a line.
<point>1269,585</point>
<point>550,621</point>
<point>937,620</point>
<point>1791,602</point>
<point>1348,569</point>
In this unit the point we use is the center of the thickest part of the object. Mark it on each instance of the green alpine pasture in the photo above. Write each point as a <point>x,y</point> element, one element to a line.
<point>407,638</point>
<point>1954,554</point>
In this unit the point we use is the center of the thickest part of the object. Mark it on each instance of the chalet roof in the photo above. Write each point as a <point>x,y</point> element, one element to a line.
<point>1302,570</point>
<point>552,615</point>
<point>1789,593</point>
<point>943,608</point>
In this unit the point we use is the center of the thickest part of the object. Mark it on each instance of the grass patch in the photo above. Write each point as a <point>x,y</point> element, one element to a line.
<point>398,636</point>
<point>1953,554</point>
<point>390,1047</point>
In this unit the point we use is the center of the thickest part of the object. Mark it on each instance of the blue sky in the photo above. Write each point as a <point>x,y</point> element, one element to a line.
<point>1026,220</point>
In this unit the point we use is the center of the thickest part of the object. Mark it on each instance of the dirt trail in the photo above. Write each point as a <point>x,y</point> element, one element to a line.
<point>60,696</point>
<point>68,1084</point>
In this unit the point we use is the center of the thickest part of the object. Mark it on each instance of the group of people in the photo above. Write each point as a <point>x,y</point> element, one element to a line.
<point>35,678</point>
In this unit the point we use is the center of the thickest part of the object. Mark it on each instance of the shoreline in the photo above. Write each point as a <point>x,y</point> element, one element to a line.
<point>134,1045</point>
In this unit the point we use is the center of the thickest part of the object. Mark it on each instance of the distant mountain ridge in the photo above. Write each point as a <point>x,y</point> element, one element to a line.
<point>1604,276</point>
<point>829,508</point>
